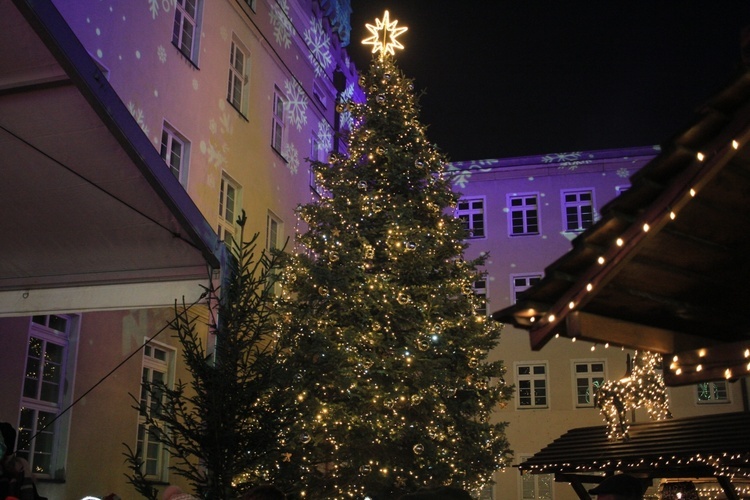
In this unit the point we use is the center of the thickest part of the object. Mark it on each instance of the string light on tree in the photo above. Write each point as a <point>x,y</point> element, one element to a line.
<point>385,342</point>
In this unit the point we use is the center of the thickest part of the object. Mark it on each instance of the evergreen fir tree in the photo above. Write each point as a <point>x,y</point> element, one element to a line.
<point>221,428</point>
<point>387,355</point>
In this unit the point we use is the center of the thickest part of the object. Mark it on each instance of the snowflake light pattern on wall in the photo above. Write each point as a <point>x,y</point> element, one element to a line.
<point>139,116</point>
<point>296,105</point>
<point>325,137</point>
<point>291,155</point>
<point>346,115</point>
<point>166,5</point>
<point>571,161</point>
<point>319,43</point>
<point>283,29</point>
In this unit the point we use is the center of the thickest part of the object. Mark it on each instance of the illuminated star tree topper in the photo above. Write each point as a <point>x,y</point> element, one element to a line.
<point>384,34</point>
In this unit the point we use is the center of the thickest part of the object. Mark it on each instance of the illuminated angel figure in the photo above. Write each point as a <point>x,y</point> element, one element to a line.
<point>641,387</point>
<point>384,33</point>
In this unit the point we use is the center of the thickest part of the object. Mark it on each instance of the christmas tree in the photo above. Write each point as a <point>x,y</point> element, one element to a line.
<point>387,354</point>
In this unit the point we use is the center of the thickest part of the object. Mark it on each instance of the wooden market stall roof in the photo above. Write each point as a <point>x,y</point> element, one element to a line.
<point>667,266</point>
<point>709,446</point>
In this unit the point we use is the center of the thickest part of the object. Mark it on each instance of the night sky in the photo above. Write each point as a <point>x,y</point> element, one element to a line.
<point>527,77</point>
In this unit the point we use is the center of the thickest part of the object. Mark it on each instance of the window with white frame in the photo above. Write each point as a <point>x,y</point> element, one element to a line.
<point>278,129</point>
<point>523,214</point>
<point>251,4</point>
<point>531,384</point>
<point>480,289</point>
<point>186,30</point>
<point>156,377</point>
<point>41,435</point>
<point>536,486</point>
<point>238,77</point>
<point>588,377</point>
<point>175,151</point>
<point>713,392</point>
<point>522,282</point>
<point>578,207</point>
<point>471,213</point>
<point>228,205</point>
<point>273,232</point>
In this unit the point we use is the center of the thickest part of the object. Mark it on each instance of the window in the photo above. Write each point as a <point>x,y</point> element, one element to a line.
<point>531,381</point>
<point>156,371</point>
<point>251,4</point>
<point>238,77</point>
<point>319,93</point>
<point>521,282</point>
<point>480,289</point>
<point>589,376</point>
<point>536,486</point>
<point>471,213</point>
<point>175,152</point>
<point>41,439</point>
<point>713,392</point>
<point>185,33</point>
<point>228,204</point>
<point>273,232</point>
<point>524,214</point>
<point>278,128</point>
<point>578,207</point>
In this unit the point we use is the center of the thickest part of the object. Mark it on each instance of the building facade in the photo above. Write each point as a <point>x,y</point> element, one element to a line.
<point>525,212</point>
<point>235,96</point>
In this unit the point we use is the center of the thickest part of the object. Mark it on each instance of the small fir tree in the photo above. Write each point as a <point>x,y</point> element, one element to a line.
<point>221,427</point>
<point>387,355</point>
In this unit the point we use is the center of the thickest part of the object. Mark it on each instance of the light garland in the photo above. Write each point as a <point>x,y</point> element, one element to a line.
<point>543,324</point>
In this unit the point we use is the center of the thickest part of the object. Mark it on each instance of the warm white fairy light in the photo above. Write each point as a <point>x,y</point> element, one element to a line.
<point>700,156</point>
<point>644,387</point>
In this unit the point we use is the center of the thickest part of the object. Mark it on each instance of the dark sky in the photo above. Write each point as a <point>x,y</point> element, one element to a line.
<point>509,78</point>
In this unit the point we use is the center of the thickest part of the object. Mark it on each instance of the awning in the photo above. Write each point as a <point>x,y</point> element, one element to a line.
<point>710,446</point>
<point>91,216</point>
<point>667,267</point>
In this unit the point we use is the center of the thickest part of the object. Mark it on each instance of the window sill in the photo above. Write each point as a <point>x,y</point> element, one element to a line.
<point>238,111</point>
<point>278,153</point>
<point>185,57</point>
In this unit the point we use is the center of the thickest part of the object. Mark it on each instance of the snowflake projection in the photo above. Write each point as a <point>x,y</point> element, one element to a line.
<point>345,118</point>
<point>161,53</point>
<point>296,105</point>
<point>571,161</point>
<point>224,33</point>
<point>460,177</point>
<point>166,5</point>
<point>461,172</point>
<point>291,155</point>
<point>283,29</point>
<point>138,115</point>
<point>623,172</point>
<point>195,84</point>
<point>325,137</point>
<point>217,147</point>
<point>319,43</point>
